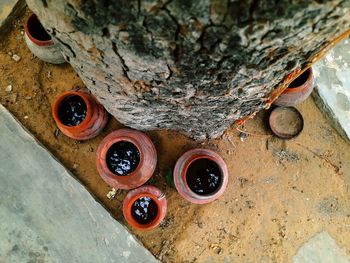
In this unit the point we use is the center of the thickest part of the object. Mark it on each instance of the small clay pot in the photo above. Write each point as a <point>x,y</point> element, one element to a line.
<point>40,42</point>
<point>180,175</point>
<point>95,120</point>
<point>146,165</point>
<point>298,91</point>
<point>157,197</point>
<point>286,122</point>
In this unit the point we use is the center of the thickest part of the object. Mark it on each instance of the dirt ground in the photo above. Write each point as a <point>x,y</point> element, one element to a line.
<point>280,193</point>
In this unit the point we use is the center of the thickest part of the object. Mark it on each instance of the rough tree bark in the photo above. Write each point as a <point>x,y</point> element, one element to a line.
<point>193,66</point>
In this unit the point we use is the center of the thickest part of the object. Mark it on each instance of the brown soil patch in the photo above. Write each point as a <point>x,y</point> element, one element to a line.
<point>280,193</point>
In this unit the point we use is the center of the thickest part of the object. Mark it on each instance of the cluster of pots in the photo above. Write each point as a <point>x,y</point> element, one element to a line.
<point>285,120</point>
<point>126,158</point>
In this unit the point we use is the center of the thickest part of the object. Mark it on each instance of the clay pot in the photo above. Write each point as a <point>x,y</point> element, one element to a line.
<point>145,167</point>
<point>145,191</point>
<point>297,91</point>
<point>286,122</point>
<point>180,174</point>
<point>95,120</point>
<point>40,43</point>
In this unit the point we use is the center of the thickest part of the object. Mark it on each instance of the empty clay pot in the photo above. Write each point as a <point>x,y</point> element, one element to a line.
<point>200,176</point>
<point>144,208</point>
<point>40,42</point>
<point>297,91</point>
<point>286,122</point>
<point>91,122</point>
<point>110,163</point>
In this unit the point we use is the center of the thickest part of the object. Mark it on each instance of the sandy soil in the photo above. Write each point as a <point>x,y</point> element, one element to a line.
<point>280,193</point>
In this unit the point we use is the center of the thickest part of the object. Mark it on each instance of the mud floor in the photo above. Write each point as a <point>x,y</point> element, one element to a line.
<point>280,193</point>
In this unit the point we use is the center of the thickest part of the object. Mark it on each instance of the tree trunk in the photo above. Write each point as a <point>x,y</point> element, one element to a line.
<point>193,66</point>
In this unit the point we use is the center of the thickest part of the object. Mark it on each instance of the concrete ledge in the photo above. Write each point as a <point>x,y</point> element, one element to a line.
<point>329,113</point>
<point>11,9</point>
<point>332,92</point>
<point>47,215</point>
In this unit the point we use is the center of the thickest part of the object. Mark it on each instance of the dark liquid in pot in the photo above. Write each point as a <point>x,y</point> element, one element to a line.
<point>72,110</point>
<point>144,210</point>
<point>300,80</point>
<point>122,158</point>
<point>203,176</point>
<point>37,30</point>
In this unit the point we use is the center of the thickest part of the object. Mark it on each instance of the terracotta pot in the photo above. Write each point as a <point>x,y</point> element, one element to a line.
<point>180,174</point>
<point>40,43</point>
<point>145,191</point>
<point>286,122</point>
<point>145,167</point>
<point>95,120</point>
<point>298,91</point>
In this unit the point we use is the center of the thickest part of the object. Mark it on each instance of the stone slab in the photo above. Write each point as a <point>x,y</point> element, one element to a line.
<point>9,10</point>
<point>321,248</point>
<point>47,215</point>
<point>332,93</point>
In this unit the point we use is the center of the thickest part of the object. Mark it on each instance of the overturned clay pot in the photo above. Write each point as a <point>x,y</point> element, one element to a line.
<point>200,176</point>
<point>298,91</point>
<point>286,122</point>
<point>40,42</point>
<point>144,208</point>
<point>126,159</point>
<point>78,115</point>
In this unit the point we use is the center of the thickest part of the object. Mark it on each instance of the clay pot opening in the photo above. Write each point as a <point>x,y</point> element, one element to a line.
<point>145,208</point>
<point>203,176</point>
<point>189,167</point>
<point>153,216</point>
<point>301,79</point>
<point>144,164</point>
<point>36,32</point>
<point>123,158</point>
<point>78,115</point>
<point>63,110</point>
<point>72,110</point>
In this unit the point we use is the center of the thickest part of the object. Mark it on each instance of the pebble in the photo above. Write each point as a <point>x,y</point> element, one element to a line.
<point>217,249</point>
<point>8,88</point>
<point>16,57</point>
<point>26,117</point>
<point>111,194</point>
<point>28,98</point>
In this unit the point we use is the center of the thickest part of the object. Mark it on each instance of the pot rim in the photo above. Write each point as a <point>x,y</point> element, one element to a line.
<point>33,39</point>
<point>89,113</point>
<point>180,173</point>
<point>145,168</point>
<point>191,161</point>
<point>301,87</point>
<point>109,144</point>
<point>284,135</point>
<point>145,191</point>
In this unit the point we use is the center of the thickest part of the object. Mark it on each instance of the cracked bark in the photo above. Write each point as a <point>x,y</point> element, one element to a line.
<point>192,66</point>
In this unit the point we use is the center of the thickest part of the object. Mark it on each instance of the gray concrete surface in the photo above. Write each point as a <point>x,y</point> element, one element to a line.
<point>332,91</point>
<point>9,10</point>
<point>46,215</point>
<point>321,248</point>
<point>6,7</point>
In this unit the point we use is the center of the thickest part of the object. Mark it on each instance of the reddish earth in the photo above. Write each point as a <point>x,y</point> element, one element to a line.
<point>280,193</point>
